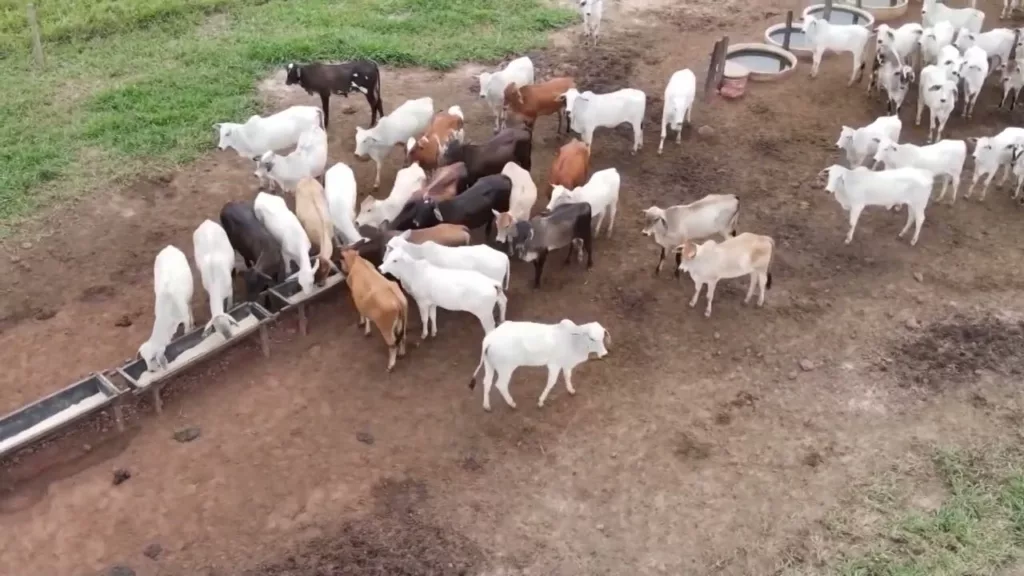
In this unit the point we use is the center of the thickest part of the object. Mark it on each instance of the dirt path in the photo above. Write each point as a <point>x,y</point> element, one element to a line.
<point>699,446</point>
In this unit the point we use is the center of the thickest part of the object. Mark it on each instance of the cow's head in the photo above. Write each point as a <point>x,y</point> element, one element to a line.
<point>654,219</point>
<point>294,74</point>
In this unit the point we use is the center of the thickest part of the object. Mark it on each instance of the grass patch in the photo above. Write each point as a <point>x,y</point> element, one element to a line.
<point>140,82</point>
<point>978,529</point>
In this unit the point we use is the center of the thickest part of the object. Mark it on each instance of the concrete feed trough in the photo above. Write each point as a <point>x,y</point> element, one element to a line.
<point>192,348</point>
<point>883,10</point>
<point>57,412</point>
<point>798,43</point>
<point>842,14</point>
<point>765,62</point>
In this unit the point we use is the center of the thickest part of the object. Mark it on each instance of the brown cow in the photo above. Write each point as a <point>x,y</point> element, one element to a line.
<point>378,300</point>
<point>427,148</point>
<point>534,100</point>
<point>570,167</point>
<point>446,182</point>
<point>375,241</point>
<point>311,209</point>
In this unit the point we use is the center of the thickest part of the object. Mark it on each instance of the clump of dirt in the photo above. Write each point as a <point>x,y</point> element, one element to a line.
<point>687,447</point>
<point>398,540</point>
<point>952,352</point>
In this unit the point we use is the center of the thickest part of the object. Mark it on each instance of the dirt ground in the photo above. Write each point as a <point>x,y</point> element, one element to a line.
<point>699,446</point>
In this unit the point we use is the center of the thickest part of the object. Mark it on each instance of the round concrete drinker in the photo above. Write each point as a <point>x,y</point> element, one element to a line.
<point>842,14</point>
<point>799,44</point>
<point>882,10</point>
<point>765,62</point>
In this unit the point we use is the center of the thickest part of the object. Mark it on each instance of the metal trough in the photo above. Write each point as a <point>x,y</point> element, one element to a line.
<point>134,369</point>
<point>288,295</point>
<point>58,411</point>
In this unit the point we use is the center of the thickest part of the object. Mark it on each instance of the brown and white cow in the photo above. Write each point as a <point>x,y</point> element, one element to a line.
<point>443,127</point>
<point>534,100</point>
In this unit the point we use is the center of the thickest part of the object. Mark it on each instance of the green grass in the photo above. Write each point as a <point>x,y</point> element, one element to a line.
<point>134,84</point>
<point>978,529</point>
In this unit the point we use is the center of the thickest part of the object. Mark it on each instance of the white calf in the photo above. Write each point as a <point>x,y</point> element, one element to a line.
<point>560,347</point>
<point>858,188</point>
<point>679,95</point>
<point>492,86</point>
<point>601,192</point>
<point>712,214</point>
<point>215,259</point>
<point>284,225</point>
<point>974,71</point>
<point>823,35</point>
<point>340,193</point>
<point>258,136</point>
<point>172,284</point>
<point>308,160</point>
<point>591,10</point>
<point>939,94</point>
<point>935,39</point>
<point>933,12</point>
<point>1011,78</point>
<point>903,41</point>
<point>861,143</point>
<point>479,258</point>
<point>407,121</point>
<point>588,112</point>
<point>945,158</point>
<point>992,153</point>
<point>457,290</point>
<point>373,212</point>
<point>744,255</point>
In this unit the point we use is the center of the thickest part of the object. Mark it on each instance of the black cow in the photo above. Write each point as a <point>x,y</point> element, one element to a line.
<point>340,79</point>
<point>567,224</point>
<point>509,145</point>
<point>259,249</point>
<point>472,209</point>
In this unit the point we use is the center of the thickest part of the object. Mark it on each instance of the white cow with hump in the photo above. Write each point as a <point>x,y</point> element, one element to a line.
<point>858,188</point>
<point>479,258</point>
<point>862,143</point>
<point>215,259</point>
<point>458,290</point>
<point>172,285</point>
<point>945,159</point>
<point>601,192</point>
<point>560,347</point>
<point>340,193</point>
<point>492,86</point>
<point>823,36</point>
<point>679,95</point>
<point>285,227</point>
<point>259,135</point>
<point>407,121</point>
<point>672,226</point>
<point>991,153</point>
<point>308,160</point>
<point>588,112</point>
<point>373,212</point>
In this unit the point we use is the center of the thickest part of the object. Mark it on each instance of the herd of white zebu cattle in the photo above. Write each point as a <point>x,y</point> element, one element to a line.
<point>416,242</point>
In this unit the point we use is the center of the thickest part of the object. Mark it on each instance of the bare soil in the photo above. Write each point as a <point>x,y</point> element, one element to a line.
<point>699,446</point>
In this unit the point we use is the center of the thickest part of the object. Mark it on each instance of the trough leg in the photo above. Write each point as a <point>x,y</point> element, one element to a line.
<point>264,341</point>
<point>119,417</point>
<point>156,400</point>
<point>303,324</point>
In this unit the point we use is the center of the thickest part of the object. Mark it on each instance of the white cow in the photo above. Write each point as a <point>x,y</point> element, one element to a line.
<point>560,347</point>
<point>284,225</point>
<point>711,215</point>
<point>858,188</point>
<point>992,153</point>
<point>340,193</point>
<point>933,12</point>
<point>945,158</point>
<point>308,160</point>
<point>479,258</point>
<point>861,143</point>
<point>492,86</point>
<point>839,38</point>
<point>591,10</point>
<point>588,112</point>
<point>407,121</point>
<point>215,259</point>
<point>373,212</point>
<point>939,94</point>
<point>744,255</point>
<point>172,285</point>
<point>679,95</point>
<point>458,290</point>
<point>601,192</point>
<point>258,136</point>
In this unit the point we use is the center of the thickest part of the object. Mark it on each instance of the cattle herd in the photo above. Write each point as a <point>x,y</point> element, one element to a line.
<point>416,242</point>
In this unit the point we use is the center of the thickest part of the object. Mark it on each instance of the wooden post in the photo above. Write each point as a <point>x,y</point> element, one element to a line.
<point>789,29</point>
<point>303,325</point>
<point>827,13</point>
<point>37,39</point>
<point>720,71</point>
<point>119,416</point>
<point>712,67</point>
<point>156,399</point>
<point>264,341</point>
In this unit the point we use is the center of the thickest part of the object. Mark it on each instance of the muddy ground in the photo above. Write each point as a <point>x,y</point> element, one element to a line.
<point>699,446</point>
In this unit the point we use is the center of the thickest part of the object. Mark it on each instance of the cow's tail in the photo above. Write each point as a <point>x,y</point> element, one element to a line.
<point>398,329</point>
<point>508,273</point>
<point>380,99</point>
<point>483,358</point>
<point>771,258</point>
<point>320,118</point>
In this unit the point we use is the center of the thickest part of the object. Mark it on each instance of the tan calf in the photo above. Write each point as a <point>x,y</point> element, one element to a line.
<point>570,168</point>
<point>443,234</point>
<point>311,209</point>
<point>534,100</point>
<point>427,148</point>
<point>742,255</point>
<point>378,300</point>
